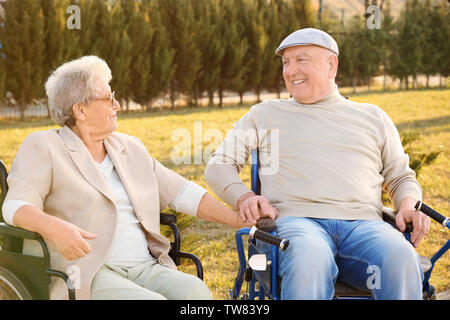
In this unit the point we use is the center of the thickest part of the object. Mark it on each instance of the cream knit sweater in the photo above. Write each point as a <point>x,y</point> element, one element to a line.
<point>329,159</point>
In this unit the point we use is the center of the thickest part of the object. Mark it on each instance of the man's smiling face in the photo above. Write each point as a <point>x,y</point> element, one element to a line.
<point>308,72</point>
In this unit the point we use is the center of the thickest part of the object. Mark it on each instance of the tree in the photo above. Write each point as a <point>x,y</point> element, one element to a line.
<point>161,57</point>
<point>2,76</point>
<point>440,38</point>
<point>305,14</point>
<point>387,28</point>
<point>121,54</point>
<point>268,42</point>
<point>250,18</point>
<point>350,51</point>
<point>56,46</point>
<point>22,38</point>
<point>410,41</point>
<point>208,15</point>
<point>233,65</point>
<point>287,21</point>
<point>178,16</point>
<point>428,57</point>
<point>371,53</point>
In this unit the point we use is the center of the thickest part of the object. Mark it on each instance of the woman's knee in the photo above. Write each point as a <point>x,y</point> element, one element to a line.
<point>191,288</point>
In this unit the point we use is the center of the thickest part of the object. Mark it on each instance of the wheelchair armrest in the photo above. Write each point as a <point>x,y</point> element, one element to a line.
<point>8,230</point>
<point>389,217</point>
<point>175,246</point>
<point>166,218</point>
<point>171,221</point>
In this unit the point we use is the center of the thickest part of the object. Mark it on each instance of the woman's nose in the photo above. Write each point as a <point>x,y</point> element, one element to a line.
<point>116,105</point>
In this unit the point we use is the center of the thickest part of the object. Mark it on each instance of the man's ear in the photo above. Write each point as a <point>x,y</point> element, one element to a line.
<point>333,65</point>
<point>79,113</point>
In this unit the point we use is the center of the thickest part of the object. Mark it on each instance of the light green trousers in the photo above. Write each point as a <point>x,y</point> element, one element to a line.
<point>147,281</point>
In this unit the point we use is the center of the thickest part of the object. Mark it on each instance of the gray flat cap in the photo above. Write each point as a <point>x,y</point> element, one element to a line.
<point>308,36</point>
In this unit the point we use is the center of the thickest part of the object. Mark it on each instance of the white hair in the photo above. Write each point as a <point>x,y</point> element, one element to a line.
<point>74,82</point>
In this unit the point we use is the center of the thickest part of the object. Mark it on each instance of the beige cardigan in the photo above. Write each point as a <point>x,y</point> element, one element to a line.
<point>54,171</point>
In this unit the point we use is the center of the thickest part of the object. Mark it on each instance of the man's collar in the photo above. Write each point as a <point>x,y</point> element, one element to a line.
<point>332,96</point>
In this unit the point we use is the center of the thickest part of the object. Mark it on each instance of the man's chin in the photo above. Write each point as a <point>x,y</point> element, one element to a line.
<point>303,99</point>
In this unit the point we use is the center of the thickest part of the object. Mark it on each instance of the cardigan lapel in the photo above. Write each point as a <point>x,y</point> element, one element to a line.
<point>119,157</point>
<point>84,162</point>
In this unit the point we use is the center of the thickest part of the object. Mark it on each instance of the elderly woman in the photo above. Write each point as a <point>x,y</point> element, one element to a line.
<point>95,195</point>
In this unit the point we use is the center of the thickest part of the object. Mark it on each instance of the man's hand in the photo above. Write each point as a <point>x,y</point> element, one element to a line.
<point>252,207</point>
<point>420,221</point>
<point>70,240</point>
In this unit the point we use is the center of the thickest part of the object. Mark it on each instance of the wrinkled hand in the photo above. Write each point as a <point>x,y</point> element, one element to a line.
<point>70,240</point>
<point>253,207</point>
<point>420,221</point>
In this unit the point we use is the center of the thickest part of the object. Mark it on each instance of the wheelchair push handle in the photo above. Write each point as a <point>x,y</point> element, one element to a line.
<point>255,233</point>
<point>420,206</point>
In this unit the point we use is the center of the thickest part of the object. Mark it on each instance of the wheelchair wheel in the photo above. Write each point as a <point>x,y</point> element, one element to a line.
<point>11,288</point>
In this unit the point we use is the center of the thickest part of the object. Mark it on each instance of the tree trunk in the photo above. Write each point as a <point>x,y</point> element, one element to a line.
<point>172,99</point>
<point>22,112</point>
<point>220,98</point>
<point>210,98</point>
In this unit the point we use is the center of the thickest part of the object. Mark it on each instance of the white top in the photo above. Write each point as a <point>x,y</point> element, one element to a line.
<point>129,246</point>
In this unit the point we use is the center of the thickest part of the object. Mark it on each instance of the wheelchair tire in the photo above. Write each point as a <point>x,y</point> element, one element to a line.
<point>11,288</point>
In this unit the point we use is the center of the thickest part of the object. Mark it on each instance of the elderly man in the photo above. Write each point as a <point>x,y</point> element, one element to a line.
<point>333,158</point>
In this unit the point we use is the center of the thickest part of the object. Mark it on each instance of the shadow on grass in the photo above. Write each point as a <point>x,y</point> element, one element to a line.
<point>425,124</point>
<point>385,92</point>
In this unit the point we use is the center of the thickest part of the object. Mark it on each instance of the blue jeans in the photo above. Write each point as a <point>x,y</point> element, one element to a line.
<point>367,254</point>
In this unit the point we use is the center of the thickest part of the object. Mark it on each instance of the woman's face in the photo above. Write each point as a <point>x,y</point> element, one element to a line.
<point>101,111</point>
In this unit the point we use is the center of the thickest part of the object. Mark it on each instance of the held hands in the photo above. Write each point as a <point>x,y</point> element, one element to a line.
<point>70,240</point>
<point>252,207</point>
<point>420,221</point>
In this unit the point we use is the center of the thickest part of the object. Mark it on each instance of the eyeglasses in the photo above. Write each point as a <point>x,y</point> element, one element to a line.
<point>111,99</point>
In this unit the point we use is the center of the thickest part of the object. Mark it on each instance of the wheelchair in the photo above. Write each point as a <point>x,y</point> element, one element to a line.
<point>26,277</point>
<point>260,270</point>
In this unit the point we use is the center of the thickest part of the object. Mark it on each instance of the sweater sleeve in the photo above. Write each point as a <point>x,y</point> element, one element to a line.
<point>399,179</point>
<point>222,170</point>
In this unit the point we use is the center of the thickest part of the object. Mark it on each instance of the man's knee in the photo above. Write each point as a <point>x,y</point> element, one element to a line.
<point>401,261</point>
<point>401,274</point>
<point>308,273</point>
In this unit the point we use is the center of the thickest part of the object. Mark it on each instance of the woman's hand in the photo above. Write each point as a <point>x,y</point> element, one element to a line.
<point>70,240</point>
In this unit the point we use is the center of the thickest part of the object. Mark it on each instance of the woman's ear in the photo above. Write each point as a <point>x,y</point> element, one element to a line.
<point>79,112</point>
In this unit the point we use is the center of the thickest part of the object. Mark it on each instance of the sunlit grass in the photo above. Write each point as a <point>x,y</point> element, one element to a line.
<point>424,112</point>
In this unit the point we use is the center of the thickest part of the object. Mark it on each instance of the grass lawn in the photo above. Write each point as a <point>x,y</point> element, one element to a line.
<point>423,112</point>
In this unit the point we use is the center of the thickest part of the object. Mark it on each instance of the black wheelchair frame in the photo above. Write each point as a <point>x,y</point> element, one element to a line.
<point>26,277</point>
